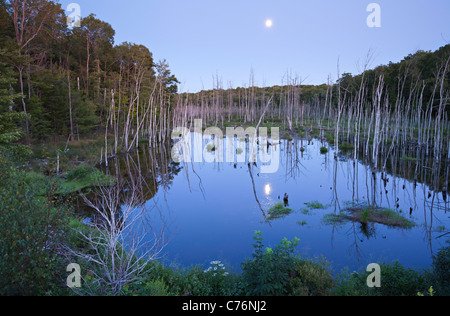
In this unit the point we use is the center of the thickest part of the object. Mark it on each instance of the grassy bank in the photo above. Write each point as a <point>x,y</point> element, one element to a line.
<point>279,271</point>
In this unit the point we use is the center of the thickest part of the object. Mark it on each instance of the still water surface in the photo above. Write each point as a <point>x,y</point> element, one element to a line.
<point>211,211</point>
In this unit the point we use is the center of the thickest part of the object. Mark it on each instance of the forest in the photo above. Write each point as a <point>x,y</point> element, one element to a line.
<point>72,100</point>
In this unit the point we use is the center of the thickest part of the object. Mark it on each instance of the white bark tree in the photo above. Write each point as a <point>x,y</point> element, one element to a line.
<point>119,243</point>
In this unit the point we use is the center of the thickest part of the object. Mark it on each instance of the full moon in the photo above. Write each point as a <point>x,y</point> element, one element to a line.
<point>268,189</point>
<point>269,23</point>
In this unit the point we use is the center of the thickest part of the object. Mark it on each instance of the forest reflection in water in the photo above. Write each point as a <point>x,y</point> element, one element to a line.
<point>210,211</point>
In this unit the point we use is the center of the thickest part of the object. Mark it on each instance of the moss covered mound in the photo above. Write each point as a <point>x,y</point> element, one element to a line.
<point>370,214</point>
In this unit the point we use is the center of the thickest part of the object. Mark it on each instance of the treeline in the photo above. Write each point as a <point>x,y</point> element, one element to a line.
<point>420,68</point>
<point>65,79</point>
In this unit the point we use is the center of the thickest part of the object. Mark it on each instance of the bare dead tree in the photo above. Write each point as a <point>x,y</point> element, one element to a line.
<point>377,104</point>
<point>119,247</point>
<point>443,97</point>
<point>341,102</point>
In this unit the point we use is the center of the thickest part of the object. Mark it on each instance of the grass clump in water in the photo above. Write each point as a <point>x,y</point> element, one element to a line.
<point>346,146</point>
<point>305,211</point>
<point>383,216</point>
<point>287,137</point>
<point>370,214</point>
<point>315,205</point>
<point>278,211</point>
<point>211,147</point>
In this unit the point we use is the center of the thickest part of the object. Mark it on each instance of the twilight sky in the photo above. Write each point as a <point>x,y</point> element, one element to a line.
<point>202,39</point>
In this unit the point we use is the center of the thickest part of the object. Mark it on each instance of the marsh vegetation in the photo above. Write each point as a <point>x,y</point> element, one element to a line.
<point>367,215</point>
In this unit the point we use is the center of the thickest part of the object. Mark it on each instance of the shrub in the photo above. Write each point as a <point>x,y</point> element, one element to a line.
<point>84,176</point>
<point>287,137</point>
<point>400,281</point>
<point>268,272</point>
<point>196,281</point>
<point>32,224</point>
<point>80,172</point>
<point>346,146</point>
<point>396,280</point>
<point>351,284</point>
<point>440,274</point>
<point>156,288</point>
<point>312,279</point>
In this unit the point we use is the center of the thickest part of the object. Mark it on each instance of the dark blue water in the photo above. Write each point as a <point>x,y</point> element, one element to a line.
<point>211,212</point>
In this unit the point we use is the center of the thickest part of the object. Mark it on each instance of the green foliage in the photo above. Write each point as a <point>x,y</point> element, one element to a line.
<point>400,281</point>
<point>305,211</point>
<point>148,288</point>
<point>346,146</point>
<point>7,80</point>
<point>287,137</point>
<point>407,159</point>
<point>351,284</point>
<point>74,238</point>
<point>168,80</point>
<point>41,117</point>
<point>84,176</point>
<point>396,280</point>
<point>211,147</point>
<point>195,281</point>
<point>50,112</point>
<point>312,279</point>
<point>83,58</point>
<point>10,130</point>
<point>440,275</point>
<point>32,228</point>
<point>315,205</point>
<point>156,288</point>
<point>82,171</point>
<point>279,271</point>
<point>329,137</point>
<point>365,214</point>
<point>268,272</point>
<point>278,211</point>
<point>431,292</point>
<point>368,214</point>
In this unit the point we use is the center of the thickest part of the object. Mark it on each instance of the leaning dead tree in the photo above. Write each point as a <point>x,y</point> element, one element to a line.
<point>117,247</point>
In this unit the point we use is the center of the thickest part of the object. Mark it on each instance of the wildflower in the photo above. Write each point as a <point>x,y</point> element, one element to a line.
<point>207,270</point>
